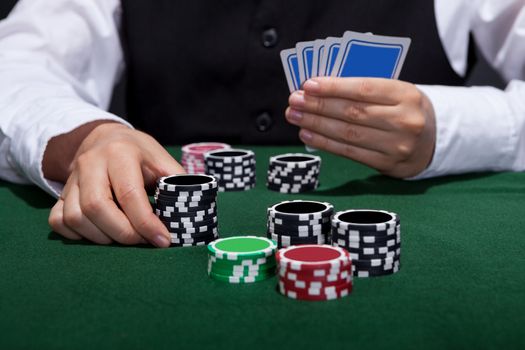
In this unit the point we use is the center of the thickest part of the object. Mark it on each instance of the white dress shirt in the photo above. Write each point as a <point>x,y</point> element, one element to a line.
<point>60,59</point>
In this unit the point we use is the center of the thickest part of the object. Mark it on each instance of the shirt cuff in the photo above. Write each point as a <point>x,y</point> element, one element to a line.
<point>475,131</point>
<point>29,145</point>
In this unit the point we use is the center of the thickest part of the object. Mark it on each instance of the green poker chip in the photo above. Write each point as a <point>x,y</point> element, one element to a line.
<point>242,247</point>
<point>240,280</point>
<point>247,263</point>
<point>243,272</point>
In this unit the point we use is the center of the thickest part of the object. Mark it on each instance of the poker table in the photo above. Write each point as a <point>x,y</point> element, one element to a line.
<point>461,282</point>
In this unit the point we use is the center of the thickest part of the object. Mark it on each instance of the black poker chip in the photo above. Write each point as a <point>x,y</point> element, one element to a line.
<point>234,169</point>
<point>293,173</point>
<point>187,205</point>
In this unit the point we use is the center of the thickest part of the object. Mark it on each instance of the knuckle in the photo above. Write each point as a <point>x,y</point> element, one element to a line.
<point>364,89</point>
<point>320,105</point>
<point>354,112</point>
<point>127,237</point>
<point>405,149</point>
<point>73,218</point>
<point>92,206</point>
<point>55,221</point>
<point>350,133</point>
<point>349,151</point>
<point>125,193</point>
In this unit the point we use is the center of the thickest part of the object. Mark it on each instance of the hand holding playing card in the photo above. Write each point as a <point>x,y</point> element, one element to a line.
<point>386,124</point>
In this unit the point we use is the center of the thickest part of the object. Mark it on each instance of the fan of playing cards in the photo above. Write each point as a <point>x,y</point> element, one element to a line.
<point>353,55</point>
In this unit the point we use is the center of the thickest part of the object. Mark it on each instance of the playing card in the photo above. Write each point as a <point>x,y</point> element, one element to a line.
<point>319,46</point>
<point>305,53</point>
<point>365,55</point>
<point>330,52</point>
<point>291,68</point>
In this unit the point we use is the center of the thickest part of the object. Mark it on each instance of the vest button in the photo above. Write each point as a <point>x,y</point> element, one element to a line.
<point>269,37</point>
<point>264,122</point>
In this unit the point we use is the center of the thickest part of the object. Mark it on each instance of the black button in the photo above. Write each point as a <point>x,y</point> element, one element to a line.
<point>269,37</point>
<point>264,122</point>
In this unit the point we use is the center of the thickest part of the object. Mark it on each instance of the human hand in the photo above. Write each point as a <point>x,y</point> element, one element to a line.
<point>104,199</point>
<point>386,124</point>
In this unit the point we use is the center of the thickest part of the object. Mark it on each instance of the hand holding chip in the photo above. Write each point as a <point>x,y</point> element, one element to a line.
<point>386,124</point>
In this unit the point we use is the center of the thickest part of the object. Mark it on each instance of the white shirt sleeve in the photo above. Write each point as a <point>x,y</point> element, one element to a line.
<point>480,128</point>
<point>59,61</point>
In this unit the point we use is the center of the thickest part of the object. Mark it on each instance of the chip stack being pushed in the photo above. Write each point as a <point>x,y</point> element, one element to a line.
<point>293,173</point>
<point>233,168</point>
<point>373,239</point>
<point>187,205</point>
<point>314,272</point>
<point>299,222</point>
<point>241,259</point>
<point>193,155</point>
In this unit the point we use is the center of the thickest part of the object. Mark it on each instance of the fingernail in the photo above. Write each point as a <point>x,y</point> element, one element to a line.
<point>305,135</point>
<point>297,99</point>
<point>161,241</point>
<point>311,85</point>
<point>295,115</point>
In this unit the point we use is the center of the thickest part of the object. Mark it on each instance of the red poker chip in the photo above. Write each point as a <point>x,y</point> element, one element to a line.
<point>312,276</point>
<point>311,257</point>
<point>335,293</point>
<point>304,285</point>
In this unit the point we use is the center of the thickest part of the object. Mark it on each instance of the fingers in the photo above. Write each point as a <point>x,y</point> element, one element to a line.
<point>125,176</point>
<point>56,221</point>
<point>372,90</point>
<point>96,201</point>
<point>160,163</point>
<point>343,132</point>
<point>75,219</point>
<point>366,114</point>
<point>371,158</point>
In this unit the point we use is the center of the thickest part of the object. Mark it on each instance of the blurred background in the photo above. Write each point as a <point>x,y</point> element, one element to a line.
<point>482,74</point>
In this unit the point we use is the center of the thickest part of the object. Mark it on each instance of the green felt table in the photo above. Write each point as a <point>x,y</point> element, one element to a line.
<point>461,285</point>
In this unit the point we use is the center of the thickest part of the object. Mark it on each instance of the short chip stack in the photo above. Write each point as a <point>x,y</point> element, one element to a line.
<point>373,239</point>
<point>233,168</point>
<point>186,204</point>
<point>293,173</point>
<point>299,222</point>
<point>241,259</point>
<point>193,155</point>
<point>314,272</point>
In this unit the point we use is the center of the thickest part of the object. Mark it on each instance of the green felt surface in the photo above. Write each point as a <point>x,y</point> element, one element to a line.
<point>461,285</point>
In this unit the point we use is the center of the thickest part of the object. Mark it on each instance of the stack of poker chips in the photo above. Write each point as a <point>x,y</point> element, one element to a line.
<point>314,272</point>
<point>187,205</point>
<point>373,239</point>
<point>293,173</point>
<point>299,222</point>
<point>241,259</point>
<point>233,168</point>
<point>193,155</point>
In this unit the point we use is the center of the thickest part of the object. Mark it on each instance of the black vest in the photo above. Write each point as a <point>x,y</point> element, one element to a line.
<point>210,69</point>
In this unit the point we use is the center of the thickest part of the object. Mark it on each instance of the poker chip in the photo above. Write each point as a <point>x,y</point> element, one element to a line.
<point>372,238</point>
<point>293,173</point>
<point>193,155</point>
<point>187,205</point>
<point>299,222</point>
<point>242,259</point>
<point>314,272</point>
<point>233,168</point>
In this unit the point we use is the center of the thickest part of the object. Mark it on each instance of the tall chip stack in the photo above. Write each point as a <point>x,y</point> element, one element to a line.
<point>293,173</point>
<point>299,222</point>
<point>314,272</point>
<point>373,239</point>
<point>233,168</point>
<point>241,259</point>
<point>187,205</point>
<point>193,155</point>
